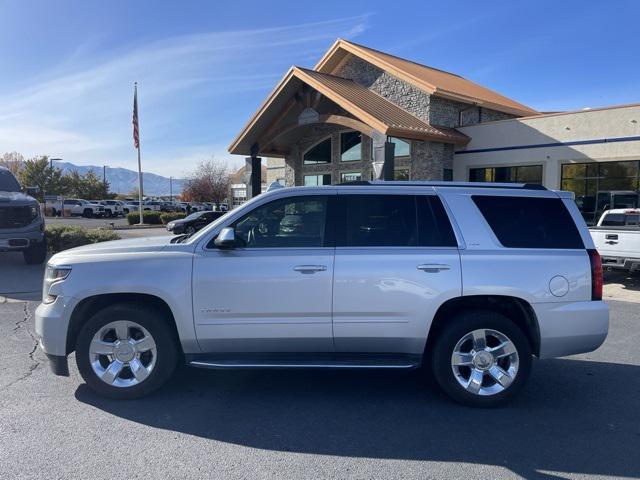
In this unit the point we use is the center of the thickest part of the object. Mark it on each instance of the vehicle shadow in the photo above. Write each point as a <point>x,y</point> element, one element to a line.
<point>574,416</point>
<point>626,280</point>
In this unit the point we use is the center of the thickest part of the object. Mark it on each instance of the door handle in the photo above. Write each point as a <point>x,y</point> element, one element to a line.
<point>309,268</point>
<point>433,267</point>
<point>611,237</point>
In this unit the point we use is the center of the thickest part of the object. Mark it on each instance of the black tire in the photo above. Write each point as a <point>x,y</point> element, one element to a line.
<point>156,323</point>
<point>53,212</point>
<point>459,326</point>
<point>190,230</point>
<point>107,213</point>
<point>87,213</point>
<point>36,254</point>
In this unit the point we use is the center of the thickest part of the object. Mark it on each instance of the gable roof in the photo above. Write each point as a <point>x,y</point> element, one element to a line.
<point>370,108</point>
<point>431,80</point>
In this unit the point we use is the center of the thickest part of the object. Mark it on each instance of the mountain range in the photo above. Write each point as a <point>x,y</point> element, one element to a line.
<point>123,180</point>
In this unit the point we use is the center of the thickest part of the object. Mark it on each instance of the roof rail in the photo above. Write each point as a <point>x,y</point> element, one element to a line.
<point>404,183</point>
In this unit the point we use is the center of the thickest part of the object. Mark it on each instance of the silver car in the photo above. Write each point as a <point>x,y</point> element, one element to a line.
<point>468,280</point>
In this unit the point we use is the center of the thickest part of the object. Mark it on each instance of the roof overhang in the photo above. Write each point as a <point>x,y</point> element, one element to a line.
<point>341,48</point>
<point>380,115</point>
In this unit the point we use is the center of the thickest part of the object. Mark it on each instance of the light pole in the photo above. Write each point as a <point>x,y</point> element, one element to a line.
<point>171,189</point>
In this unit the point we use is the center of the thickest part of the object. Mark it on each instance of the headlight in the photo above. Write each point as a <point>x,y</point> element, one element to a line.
<point>53,275</point>
<point>171,225</point>
<point>35,212</point>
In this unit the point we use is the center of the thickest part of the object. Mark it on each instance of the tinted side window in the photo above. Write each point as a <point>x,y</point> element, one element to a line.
<point>380,221</point>
<point>284,223</point>
<point>525,222</point>
<point>434,227</point>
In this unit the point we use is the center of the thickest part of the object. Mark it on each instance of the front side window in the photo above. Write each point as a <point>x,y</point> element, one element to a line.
<point>284,223</point>
<point>350,146</point>
<point>321,153</point>
<point>8,182</point>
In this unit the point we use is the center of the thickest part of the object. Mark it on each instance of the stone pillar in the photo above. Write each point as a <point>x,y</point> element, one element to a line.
<point>253,177</point>
<point>384,159</point>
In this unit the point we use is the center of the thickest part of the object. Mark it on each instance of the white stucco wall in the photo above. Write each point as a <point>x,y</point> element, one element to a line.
<point>594,124</point>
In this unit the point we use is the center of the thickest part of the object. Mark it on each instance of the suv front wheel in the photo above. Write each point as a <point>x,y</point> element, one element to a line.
<point>481,358</point>
<point>126,351</point>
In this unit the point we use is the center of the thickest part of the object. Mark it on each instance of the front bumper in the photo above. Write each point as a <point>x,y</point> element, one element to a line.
<point>52,322</point>
<point>20,239</point>
<point>571,328</point>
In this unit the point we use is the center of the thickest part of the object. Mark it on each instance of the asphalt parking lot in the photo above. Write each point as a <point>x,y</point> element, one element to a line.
<point>577,418</point>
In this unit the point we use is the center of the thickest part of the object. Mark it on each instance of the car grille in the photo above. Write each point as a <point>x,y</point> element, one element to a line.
<point>15,217</point>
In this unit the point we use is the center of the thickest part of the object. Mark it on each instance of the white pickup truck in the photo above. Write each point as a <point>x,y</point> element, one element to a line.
<point>617,238</point>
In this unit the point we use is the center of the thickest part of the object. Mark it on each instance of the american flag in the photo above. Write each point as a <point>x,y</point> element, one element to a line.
<point>136,133</point>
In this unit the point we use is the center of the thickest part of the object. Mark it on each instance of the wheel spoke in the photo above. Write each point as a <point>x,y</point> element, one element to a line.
<point>139,370</point>
<point>500,376</point>
<point>503,350</point>
<point>460,359</point>
<point>122,330</point>
<point>111,373</point>
<point>479,340</point>
<point>144,344</point>
<point>475,381</point>
<point>100,347</point>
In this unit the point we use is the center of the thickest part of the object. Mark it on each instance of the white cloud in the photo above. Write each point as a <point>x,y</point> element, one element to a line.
<point>81,110</point>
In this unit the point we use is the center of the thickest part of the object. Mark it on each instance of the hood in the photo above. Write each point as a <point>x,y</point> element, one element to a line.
<point>16,198</point>
<point>133,245</point>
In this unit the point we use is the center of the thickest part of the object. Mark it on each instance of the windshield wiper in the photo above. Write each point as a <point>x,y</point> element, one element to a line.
<point>180,238</point>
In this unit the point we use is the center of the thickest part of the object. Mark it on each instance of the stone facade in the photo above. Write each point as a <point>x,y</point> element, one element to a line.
<point>428,160</point>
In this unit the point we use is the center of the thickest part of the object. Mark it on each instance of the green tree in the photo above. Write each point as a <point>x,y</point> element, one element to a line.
<point>38,172</point>
<point>88,186</point>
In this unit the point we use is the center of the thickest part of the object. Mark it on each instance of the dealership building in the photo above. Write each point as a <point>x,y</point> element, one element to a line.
<point>362,114</point>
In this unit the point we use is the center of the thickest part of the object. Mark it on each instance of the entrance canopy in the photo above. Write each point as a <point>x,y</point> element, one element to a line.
<point>307,97</point>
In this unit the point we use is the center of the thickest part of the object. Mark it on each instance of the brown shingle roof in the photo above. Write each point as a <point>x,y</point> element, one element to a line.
<point>395,121</point>
<point>433,81</point>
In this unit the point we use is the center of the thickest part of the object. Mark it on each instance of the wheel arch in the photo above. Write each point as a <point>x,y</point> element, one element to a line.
<point>516,309</point>
<point>87,307</point>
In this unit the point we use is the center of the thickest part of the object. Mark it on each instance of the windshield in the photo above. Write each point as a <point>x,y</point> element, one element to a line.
<point>8,182</point>
<point>193,216</point>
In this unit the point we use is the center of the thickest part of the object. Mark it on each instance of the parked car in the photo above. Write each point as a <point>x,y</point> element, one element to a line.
<point>617,238</point>
<point>152,206</point>
<point>468,279</point>
<point>167,207</point>
<point>193,222</point>
<point>112,208</point>
<point>75,207</point>
<point>21,220</point>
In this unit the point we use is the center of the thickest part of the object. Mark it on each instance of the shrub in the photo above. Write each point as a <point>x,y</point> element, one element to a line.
<point>63,237</point>
<point>169,217</point>
<point>148,217</point>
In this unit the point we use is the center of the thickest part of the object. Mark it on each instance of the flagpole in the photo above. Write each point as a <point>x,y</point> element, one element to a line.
<point>139,162</point>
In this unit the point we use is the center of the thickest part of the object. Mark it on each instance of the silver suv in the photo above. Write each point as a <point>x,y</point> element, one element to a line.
<point>467,280</point>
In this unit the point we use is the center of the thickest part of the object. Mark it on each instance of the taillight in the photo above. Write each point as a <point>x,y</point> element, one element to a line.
<point>596,274</point>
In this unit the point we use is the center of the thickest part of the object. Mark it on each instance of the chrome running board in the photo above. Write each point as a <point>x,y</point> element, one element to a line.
<point>341,363</point>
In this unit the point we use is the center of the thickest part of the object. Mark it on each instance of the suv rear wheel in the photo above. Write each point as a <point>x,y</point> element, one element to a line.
<point>481,358</point>
<point>126,351</point>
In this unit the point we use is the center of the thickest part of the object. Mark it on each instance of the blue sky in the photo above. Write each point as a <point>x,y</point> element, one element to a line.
<point>67,67</point>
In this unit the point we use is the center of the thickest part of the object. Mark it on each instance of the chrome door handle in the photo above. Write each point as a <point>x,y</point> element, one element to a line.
<point>309,268</point>
<point>433,267</point>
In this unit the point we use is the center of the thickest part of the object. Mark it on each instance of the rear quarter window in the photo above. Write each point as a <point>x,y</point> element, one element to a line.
<point>527,222</point>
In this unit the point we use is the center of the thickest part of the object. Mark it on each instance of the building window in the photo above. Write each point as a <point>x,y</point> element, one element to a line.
<point>350,177</point>
<point>350,146</point>
<point>403,149</point>
<point>521,174</point>
<point>316,180</point>
<point>602,185</point>
<point>321,153</point>
<point>447,174</point>
<point>401,174</point>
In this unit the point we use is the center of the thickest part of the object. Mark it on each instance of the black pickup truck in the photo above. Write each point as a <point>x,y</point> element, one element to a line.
<point>21,221</point>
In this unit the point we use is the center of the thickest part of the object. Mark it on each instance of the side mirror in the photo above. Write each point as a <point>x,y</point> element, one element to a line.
<point>32,190</point>
<point>226,238</point>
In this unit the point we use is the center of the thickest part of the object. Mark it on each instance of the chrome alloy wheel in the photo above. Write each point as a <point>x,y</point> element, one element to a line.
<point>122,353</point>
<point>485,362</point>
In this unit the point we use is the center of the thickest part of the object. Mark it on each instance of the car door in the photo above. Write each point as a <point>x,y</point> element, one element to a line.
<point>272,293</point>
<point>396,262</point>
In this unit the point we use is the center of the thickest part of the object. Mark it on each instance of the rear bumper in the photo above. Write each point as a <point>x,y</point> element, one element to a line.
<point>571,328</point>
<point>621,263</point>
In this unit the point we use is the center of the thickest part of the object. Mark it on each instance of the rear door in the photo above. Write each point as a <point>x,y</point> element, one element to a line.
<point>396,262</point>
